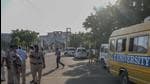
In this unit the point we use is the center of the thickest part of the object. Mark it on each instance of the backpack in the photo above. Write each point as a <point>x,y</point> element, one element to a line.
<point>18,64</point>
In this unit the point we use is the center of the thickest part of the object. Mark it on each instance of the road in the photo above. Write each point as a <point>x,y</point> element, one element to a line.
<point>75,72</point>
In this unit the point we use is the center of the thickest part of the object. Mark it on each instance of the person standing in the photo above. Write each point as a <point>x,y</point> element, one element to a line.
<point>23,55</point>
<point>37,62</point>
<point>90,56</point>
<point>13,64</point>
<point>3,57</point>
<point>31,51</point>
<point>58,57</point>
<point>42,49</point>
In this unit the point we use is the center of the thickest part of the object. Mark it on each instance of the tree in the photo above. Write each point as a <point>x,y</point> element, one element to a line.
<point>101,26</point>
<point>124,13</point>
<point>82,39</point>
<point>16,40</point>
<point>133,11</point>
<point>75,40</point>
<point>23,37</point>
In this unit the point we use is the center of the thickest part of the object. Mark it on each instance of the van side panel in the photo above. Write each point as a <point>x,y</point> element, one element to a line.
<point>138,74</point>
<point>138,71</point>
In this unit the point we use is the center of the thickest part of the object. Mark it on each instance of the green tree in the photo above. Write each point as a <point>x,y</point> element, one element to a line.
<point>75,40</point>
<point>23,37</point>
<point>101,25</point>
<point>124,13</point>
<point>16,40</point>
<point>82,39</point>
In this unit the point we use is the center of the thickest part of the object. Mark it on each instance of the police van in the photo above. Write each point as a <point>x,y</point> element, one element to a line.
<point>129,54</point>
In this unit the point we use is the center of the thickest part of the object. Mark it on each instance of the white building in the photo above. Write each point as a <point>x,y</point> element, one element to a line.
<point>5,40</point>
<point>54,39</point>
<point>6,37</point>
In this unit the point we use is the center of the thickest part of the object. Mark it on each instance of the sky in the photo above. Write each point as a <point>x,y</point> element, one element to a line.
<point>45,16</point>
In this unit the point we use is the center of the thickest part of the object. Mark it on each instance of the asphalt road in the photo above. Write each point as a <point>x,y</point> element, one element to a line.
<point>75,72</point>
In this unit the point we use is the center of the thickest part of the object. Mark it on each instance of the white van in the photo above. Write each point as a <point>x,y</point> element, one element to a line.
<point>103,54</point>
<point>69,51</point>
<point>81,53</point>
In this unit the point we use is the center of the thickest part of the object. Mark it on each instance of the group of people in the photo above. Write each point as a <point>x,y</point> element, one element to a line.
<point>16,63</point>
<point>15,60</point>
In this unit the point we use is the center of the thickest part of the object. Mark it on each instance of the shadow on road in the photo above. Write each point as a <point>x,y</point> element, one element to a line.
<point>27,74</point>
<point>84,73</point>
<point>78,64</point>
<point>79,70</point>
<point>81,59</point>
<point>66,56</point>
<point>49,72</point>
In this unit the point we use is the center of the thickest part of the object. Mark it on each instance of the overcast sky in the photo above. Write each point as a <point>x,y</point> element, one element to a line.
<point>46,15</point>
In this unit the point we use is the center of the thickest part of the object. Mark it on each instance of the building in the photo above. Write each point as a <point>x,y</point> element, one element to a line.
<point>5,40</point>
<point>6,37</point>
<point>54,39</point>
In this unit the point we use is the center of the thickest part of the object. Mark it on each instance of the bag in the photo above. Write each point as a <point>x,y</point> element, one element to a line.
<point>18,64</point>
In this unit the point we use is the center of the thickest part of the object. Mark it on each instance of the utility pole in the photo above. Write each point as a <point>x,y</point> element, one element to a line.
<point>68,32</point>
<point>75,40</point>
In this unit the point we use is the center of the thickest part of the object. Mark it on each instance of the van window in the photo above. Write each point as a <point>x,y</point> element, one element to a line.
<point>81,50</point>
<point>112,45</point>
<point>139,44</point>
<point>104,49</point>
<point>71,49</point>
<point>121,45</point>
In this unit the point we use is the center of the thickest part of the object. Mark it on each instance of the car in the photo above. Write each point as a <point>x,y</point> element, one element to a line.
<point>81,53</point>
<point>69,51</point>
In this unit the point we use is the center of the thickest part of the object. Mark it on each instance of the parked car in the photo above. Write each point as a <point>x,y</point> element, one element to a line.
<point>81,53</point>
<point>69,51</point>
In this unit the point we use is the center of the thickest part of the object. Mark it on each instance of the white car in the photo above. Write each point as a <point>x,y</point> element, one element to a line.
<point>69,51</point>
<point>81,53</point>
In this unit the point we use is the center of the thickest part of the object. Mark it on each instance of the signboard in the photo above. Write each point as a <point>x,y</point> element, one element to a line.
<point>132,59</point>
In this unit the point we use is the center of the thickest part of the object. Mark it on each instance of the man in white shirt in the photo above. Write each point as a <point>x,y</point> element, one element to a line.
<point>23,55</point>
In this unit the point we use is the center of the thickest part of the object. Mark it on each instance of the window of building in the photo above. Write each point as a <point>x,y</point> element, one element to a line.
<point>121,45</point>
<point>112,45</point>
<point>139,44</point>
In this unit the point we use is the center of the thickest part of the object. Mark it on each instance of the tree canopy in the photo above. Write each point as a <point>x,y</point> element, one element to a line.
<point>23,37</point>
<point>122,14</point>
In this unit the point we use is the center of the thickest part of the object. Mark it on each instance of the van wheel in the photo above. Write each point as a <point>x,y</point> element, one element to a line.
<point>124,78</point>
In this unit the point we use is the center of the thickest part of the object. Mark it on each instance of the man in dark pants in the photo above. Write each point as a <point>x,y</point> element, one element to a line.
<point>23,55</point>
<point>13,63</point>
<point>37,61</point>
<point>58,54</point>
